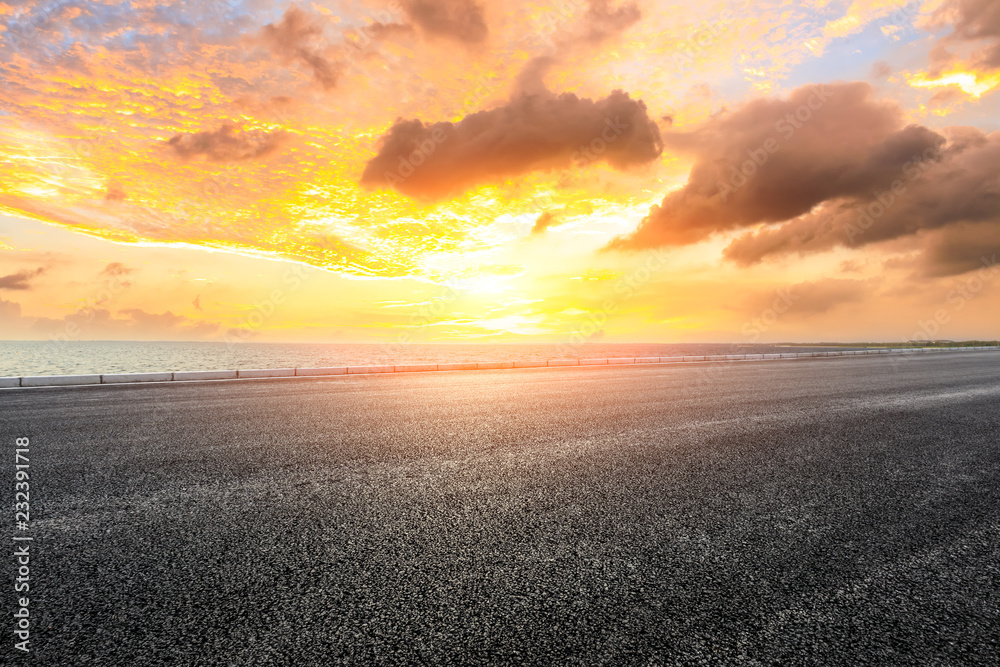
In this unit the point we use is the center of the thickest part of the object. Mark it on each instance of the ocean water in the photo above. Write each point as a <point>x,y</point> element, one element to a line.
<point>19,358</point>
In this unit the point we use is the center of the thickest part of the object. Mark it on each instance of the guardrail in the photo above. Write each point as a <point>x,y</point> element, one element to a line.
<point>198,376</point>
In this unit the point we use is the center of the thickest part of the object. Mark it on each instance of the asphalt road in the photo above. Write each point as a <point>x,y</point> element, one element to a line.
<point>829,511</point>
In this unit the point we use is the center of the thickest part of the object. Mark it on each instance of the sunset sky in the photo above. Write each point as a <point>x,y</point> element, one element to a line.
<point>465,170</point>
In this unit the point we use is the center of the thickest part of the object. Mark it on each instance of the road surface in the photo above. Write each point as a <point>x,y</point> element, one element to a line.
<point>828,511</point>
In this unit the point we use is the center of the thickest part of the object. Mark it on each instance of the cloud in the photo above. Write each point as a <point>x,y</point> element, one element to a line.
<point>461,20</point>
<point>974,21</point>
<point>950,205</point>
<point>225,145</point>
<point>9,311</point>
<point>96,323</point>
<point>774,159</point>
<point>599,23</point>
<point>544,221</point>
<point>299,38</point>
<point>964,248</point>
<point>880,70</point>
<point>20,280</point>
<point>943,98</point>
<point>828,167</point>
<point>388,29</point>
<point>116,270</point>
<point>534,130</point>
<point>816,297</point>
<point>602,22</point>
<point>156,321</point>
<point>801,301</point>
<point>130,324</point>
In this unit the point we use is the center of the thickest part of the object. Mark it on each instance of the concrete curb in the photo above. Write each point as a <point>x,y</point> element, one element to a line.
<point>492,365</point>
<point>415,368</point>
<point>205,375</point>
<point>267,373</point>
<point>314,372</point>
<point>191,376</point>
<point>136,377</point>
<point>59,380</point>
<point>457,367</point>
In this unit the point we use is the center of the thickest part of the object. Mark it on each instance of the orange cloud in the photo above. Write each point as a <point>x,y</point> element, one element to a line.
<point>830,166</point>
<point>531,132</point>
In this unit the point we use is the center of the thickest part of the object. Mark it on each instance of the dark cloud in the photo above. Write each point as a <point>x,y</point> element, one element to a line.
<point>601,22</point>
<point>979,19</point>
<point>299,38</point>
<point>773,159</point>
<point>225,144</point>
<point>537,130</point>
<point>964,248</point>
<point>461,20</point>
<point>20,280</point>
<point>950,204</point>
<point>973,21</point>
<point>847,171</point>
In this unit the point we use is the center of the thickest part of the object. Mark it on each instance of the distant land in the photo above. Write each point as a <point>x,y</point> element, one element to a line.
<point>910,343</point>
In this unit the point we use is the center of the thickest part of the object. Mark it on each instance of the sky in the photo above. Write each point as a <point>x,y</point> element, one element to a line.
<point>470,170</point>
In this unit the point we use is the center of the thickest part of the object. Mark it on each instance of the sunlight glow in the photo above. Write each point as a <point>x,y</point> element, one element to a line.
<point>974,84</point>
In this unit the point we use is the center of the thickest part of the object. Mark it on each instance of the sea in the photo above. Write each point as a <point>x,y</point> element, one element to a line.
<point>22,358</point>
